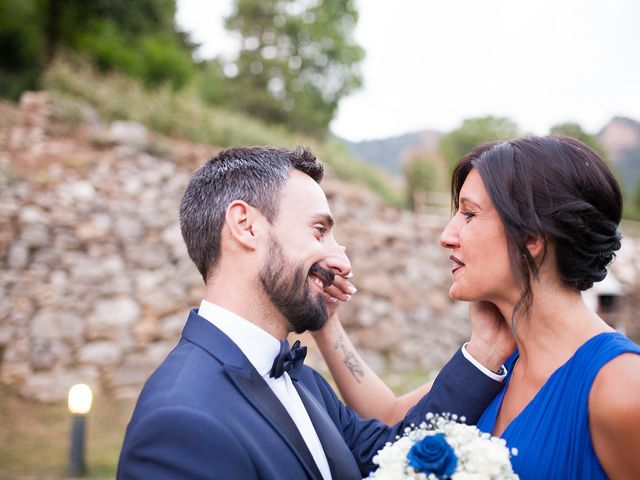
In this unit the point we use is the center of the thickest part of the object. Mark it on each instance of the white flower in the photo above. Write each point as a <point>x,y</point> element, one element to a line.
<point>470,476</point>
<point>480,456</point>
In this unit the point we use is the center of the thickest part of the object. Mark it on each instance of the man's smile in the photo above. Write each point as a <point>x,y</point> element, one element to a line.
<point>321,276</point>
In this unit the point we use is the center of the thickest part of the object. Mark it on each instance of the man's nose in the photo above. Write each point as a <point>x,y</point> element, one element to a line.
<point>449,236</point>
<point>338,261</point>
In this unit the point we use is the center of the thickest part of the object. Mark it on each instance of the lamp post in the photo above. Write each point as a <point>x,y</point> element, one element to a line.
<point>79,401</point>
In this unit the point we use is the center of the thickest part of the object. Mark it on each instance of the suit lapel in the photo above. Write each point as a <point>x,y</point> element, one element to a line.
<point>340,458</point>
<point>257,392</point>
<point>251,385</point>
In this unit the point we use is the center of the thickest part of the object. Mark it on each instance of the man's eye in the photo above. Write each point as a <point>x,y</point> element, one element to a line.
<point>321,230</point>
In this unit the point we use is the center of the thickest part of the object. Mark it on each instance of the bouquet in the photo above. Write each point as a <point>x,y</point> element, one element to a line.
<point>441,448</point>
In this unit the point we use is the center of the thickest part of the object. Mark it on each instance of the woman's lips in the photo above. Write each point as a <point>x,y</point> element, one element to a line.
<point>457,264</point>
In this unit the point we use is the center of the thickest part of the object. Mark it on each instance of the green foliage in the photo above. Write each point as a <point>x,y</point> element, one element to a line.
<point>298,59</point>
<point>420,174</point>
<point>139,38</point>
<point>632,203</point>
<point>21,47</point>
<point>473,132</point>
<point>571,129</point>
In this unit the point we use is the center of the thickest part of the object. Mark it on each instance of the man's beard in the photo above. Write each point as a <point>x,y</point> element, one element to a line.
<point>287,286</point>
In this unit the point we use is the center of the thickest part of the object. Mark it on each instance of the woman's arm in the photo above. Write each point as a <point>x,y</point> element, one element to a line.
<point>362,390</point>
<point>614,416</point>
<point>360,387</point>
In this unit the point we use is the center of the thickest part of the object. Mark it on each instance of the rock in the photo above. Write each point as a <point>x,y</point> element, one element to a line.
<point>111,318</point>
<point>158,351</point>
<point>42,355</point>
<point>129,228</point>
<point>54,385</point>
<point>100,353</point>
<point>173,237</point>
<point>133,372</point>
<point>6,334</point>
<point>56,325</point>
<point>33,214</point>
<point>15,372</point>
<point>97,228</point>
<point>18,256</point>
<point>128,133</point>
<point>78,191</point>
<point>149,255</point>
<point>172,325</point>
<point>35,236</point>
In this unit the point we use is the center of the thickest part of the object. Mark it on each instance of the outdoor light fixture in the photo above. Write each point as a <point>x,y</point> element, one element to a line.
<point>79,401</point>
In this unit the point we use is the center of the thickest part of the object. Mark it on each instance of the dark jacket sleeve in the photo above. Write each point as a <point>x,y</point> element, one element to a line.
<point>459,388</point>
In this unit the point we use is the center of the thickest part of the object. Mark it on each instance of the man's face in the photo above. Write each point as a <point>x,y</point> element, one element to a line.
<point>302,255</point>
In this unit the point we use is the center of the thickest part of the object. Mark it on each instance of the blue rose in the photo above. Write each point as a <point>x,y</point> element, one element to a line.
<point>434,455</point>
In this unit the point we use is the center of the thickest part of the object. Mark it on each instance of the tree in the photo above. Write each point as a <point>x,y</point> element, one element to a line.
<point>473,132</point>
<point>421,176</point>
<point>22,39</point>
<point>139,38</point>
<point>574,130</point>
<point>297,60</point>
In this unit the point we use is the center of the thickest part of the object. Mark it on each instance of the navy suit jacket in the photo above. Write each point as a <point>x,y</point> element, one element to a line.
<point>206,413</point>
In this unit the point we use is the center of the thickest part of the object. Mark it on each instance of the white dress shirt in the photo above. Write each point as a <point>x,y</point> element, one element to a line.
<point>500,376</point>
<point>261,348</point>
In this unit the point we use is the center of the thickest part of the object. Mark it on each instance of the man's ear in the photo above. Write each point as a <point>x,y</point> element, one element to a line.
<point>243,222</point>
<point>536,246</point>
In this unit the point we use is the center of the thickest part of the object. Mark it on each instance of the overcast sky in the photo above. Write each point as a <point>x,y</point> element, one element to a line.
<point>431,64</point>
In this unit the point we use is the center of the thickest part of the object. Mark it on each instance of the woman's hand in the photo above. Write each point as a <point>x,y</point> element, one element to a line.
<point>339,291</point>
<point>491,338</point>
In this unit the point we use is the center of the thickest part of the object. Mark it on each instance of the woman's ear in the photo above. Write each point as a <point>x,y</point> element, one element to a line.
<point>536,246</point>
<point>242,221</point>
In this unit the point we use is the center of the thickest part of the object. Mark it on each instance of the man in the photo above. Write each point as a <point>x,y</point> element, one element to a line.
<point>258,227</point>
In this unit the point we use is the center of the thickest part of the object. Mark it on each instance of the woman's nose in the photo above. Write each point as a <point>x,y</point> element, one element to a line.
<point>449,236</point>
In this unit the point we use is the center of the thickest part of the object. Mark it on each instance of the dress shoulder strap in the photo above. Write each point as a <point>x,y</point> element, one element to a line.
<point>600,350</point>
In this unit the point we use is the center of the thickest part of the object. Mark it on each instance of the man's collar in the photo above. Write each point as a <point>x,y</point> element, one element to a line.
<point>257,345</point>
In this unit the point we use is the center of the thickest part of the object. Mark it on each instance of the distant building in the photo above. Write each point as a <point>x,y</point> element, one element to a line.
<point>605,298</point>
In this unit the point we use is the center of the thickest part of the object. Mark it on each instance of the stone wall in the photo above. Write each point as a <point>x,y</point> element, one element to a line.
<point>96,283</point>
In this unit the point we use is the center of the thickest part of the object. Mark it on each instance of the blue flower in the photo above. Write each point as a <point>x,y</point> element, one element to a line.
<point>434,455</point>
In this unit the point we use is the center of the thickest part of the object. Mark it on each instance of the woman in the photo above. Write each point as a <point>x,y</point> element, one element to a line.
<point>550,208</point>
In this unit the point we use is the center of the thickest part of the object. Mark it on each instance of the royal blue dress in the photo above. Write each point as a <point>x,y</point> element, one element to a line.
<point>552,432</point>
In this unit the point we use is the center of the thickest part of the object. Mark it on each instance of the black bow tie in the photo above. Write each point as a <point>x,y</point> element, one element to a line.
<point>288,360</point>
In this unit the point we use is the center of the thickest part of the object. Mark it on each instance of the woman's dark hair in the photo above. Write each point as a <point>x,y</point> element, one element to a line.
<point>555,188</point>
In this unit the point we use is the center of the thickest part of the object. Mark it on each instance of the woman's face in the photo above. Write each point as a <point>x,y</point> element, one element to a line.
<point>479,254</point>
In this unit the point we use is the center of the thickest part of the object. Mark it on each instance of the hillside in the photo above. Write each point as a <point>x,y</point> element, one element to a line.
<point>621,139</point>
<point>391,153</point>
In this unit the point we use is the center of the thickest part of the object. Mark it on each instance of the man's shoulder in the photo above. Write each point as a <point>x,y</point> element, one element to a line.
<point>188,376</point>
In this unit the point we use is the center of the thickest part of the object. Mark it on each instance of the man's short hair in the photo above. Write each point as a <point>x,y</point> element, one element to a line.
<point>255,175</point>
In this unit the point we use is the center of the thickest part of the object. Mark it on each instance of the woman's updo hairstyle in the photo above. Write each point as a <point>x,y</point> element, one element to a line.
<point>555,188</point>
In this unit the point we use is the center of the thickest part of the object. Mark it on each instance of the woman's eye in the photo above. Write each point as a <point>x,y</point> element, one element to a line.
<point>469,215</point>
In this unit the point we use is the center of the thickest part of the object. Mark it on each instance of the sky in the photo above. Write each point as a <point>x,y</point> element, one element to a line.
<point>431,64</point>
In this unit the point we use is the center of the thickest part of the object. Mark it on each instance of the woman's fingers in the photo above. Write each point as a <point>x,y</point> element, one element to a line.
<point>341,289</point>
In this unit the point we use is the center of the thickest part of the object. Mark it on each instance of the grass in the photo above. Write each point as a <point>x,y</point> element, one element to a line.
<point>185,115</point>
<point>34,437</point>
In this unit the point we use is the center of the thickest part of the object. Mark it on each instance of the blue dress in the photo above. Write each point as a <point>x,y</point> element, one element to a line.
<point>552,432</point>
